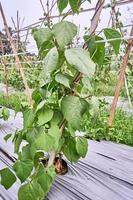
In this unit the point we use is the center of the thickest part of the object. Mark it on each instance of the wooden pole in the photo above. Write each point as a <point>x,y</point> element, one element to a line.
<point>128,93</point>
<point>5,69</point>
<point>120,79</point>
<point>18,36</point>
<point>18,64</point>
<point>96,17</point>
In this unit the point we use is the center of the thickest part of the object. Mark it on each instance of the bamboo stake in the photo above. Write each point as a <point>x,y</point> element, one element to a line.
<point>120,79</point>
<point>18,64</point>
<point>96,17</point>
<point>5,69</point>
<point>128,93</point>
<point>18,32</point>
<point>44,12</point>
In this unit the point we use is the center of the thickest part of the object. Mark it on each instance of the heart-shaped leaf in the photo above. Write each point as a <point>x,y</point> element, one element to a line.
<point>80,60</point>
<point>64,32</point>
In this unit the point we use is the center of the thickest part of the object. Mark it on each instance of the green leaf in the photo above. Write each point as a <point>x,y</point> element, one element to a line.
<point>40,105</point>
<point>64,32</point>
<point>112,34</point>
<point>28,152</point>
<point>73,108</point>
<point>45,48</point>
<point>70,151</point>
<point>7,178</point>
<point>62,4</point>
<point>75,4</point>
<point>23,169</point>
<point>41,36</point>
<point>80,60</point>
<point>97,50</point>
<point>30,191</point>
<point>33,133</point>
<point>36,96</point>
<point>44,142</point>
<point>7,137</point>
<point>49,140</point>
<point>50,62</point>
<point>46,177</point>
<point>57,117</point>
<point>63,79</point>
<point>17,140</point>
<point>99,54</point>
<point>29,117</point>
<point>82,146</point>
<point>44,116</point>
<point>90,42</point>
<point>5,113</point>
<point>38,156</point>
<point>55,133</point>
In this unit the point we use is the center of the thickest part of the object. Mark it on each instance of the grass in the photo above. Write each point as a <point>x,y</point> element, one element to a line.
<point>105,86</point>
<point>121,131</point>
<point>14,101</point>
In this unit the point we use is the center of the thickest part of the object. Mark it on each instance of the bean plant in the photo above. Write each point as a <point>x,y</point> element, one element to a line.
<point>51,126</point>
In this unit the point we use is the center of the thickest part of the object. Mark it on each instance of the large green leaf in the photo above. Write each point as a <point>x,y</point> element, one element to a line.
<point>7,178</point>
<point>62,4</point>
<point>31,191</point>
<point>63,79</point>
<point>82,146</point>
<point>41,36</point>
<point>50,62</point>
<point>112,34</point>
<point>44,116</point>
<point>33,133</point>
<point>45,177</point>
<point>75,4</point>
<point>73,108</point>
<point>45,142</point>
<point>23,169</point>
<point>70,151</point>
<point>64,32</point>
<point>80,60</point>
<point>29,117</point>
<point>49,140</point>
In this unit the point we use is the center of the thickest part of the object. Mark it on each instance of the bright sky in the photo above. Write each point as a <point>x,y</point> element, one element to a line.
<point>32,11</point>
